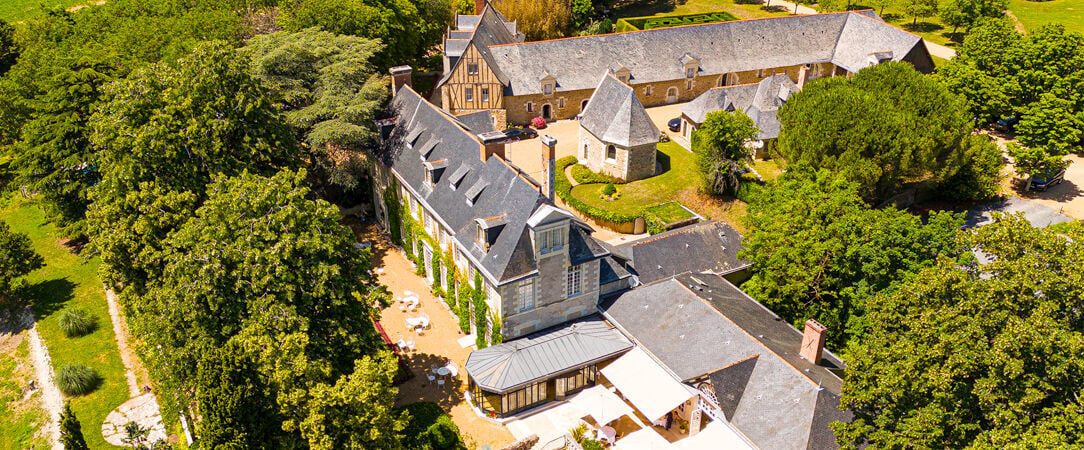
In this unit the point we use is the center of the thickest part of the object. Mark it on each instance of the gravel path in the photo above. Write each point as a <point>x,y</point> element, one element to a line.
<point>131,363</point>
<point>51,399</point>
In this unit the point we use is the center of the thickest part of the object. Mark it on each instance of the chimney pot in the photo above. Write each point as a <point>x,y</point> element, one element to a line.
<point>813,341</point>
<point>400,76</point>
<point>549,165</point>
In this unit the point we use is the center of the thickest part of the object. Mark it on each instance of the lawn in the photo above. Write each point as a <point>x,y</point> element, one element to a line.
<point>70,280</point>
<point>661,8</point>
<point>669,212</point>
<point>769,169</point>
<point>17,10</point>
<point>679,173</point>
<point>20,417</point>
<point>1035,14</point>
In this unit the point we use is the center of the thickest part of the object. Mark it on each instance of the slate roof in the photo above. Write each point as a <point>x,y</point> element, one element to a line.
<point>760,101</point>
<point>845,39</point>
<point>477,122</point>
<point>703,247</point>
<point>504,367</point>
<point>615,115</point>
<point>699,325</point>
<point>469,188</point>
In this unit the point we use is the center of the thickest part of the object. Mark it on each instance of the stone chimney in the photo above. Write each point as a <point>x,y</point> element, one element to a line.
<point>479,5</point>
<point>803,75</point>
<point>493,149</point>
<point>400,75</point>
<point>549,165</point>
<point>813,341</point>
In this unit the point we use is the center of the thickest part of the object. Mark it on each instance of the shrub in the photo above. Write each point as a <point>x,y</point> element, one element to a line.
<point>538,122</point>
<point>583,175</point>
<point>77,379</point>
<point>609,189</point>
<point>75,322</point>
<point>591,444</point>
<point>443,434</point>
<point>564,190</point>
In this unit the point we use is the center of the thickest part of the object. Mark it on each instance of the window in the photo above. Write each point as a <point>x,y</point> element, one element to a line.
<point>469,94</point>
<point>525,295</point>
<point>585,151</point>
<point>648,90</point>
<point>561,103</point>
<point>547,89</point>
<point>689,85</point>
<point>690,72</point>
<point>551,240</point>
<point>570,383</point>
<point>573,282</point>
<point>611,152</point>
<point>472,69</point>
<point>760,73</point>
<point>523,398</point>
<point>671,92</point>
<point>429,176</point>
<point>530,107</point>
<point>623,78</point>
<point>722,81</point>
<point>485,94</point>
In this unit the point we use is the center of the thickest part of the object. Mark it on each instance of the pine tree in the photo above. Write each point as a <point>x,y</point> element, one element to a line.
<point>71,432</point>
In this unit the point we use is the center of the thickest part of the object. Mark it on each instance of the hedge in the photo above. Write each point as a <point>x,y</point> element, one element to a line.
<point>673,20</point>
<point>583,175</point>
<point>564,190</point>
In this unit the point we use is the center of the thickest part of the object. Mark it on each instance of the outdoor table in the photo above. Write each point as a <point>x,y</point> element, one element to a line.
<point>607,434</point>
<point>443,371</point>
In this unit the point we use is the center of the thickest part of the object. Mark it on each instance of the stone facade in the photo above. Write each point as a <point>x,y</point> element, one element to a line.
<point>630,164</point>
<point>650,94</point>
<point>551,305</point>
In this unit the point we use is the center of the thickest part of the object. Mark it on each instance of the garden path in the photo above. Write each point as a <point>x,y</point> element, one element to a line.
<point>51,400</point>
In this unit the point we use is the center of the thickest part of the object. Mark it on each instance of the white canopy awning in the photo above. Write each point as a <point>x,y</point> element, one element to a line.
<point>646,384</point>
<point>714,436</point>
<point>643,439</point>
<point>601,404</point>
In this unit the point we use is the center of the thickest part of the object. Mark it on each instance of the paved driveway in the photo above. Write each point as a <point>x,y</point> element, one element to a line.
<point>1038,214</point>
<point>1067,197</point>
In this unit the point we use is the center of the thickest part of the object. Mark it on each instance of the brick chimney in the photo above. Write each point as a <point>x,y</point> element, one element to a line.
<point>813,341</point>
<point>549,165</point>
<point>803,75</point>
<point>479,5</point>
<point>400,75</point>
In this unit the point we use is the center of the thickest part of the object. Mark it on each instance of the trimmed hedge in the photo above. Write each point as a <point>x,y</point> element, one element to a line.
<point>583,175</point>
<point>564,190</point>
<point>673,20</point>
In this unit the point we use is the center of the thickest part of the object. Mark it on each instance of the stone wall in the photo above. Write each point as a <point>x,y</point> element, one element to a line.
<point>631,164</point>
<point>517,105</point>
<point>551,308</point>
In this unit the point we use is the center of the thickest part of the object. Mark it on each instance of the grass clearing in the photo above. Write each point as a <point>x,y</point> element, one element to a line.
<point>679,172</point>
<point>1035,14</point>
<point>20,416</point>
<point>68,280</point>
<point>670,212</point>
<point>769,170</point>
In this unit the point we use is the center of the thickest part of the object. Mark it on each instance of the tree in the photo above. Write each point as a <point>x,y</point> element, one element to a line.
<point>720,148</point>
<point>818,251</point>
<point>9,49</point>
<point>326,86</point>
<point>236,407</point>
<point>582,10</point>
<point>357,411</point>
<point>976,356</point>
<point>17,258</point>
<point>1031,162</point>
<point>162,137</point>
<point>883,125</point>
<point>979,177</point>
<point>1051,124</point>
<point>538,20</point>
<point>71,432</point>
<point>271,275</point>
<point>920,8</point>
<point>408,29</point>
<point>965,13</point>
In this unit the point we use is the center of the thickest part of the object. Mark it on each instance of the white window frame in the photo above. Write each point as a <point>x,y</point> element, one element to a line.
<point>468,94</point>
<point>551,240</point>
<point>525,295</point>
<point>690,72</point>
<point>547,89</point>
<point>485,94</point>
<point>574,281</point>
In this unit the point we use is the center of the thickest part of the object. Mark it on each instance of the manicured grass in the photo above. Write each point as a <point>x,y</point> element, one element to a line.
<point>670,212</point>
<point>20,418</point>
<point>69,280</point>
<point>1035,14</point>
<point>679,173</point>
<point>769,170</point>
<point>742,11</point>
<point>17,10</point>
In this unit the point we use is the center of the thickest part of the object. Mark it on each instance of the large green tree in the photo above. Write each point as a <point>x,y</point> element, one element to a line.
<point>720,147</point>
<point>819,251</point>
<point>326,86</point>
<point>409,29</point>
<point>886,124</point>
<point>17,258</point>
<point>162,137</point>
<point>270,274</point>
<point>965,13</point>
<point>9,49</point>
<point>71,431</point>
<point>976,356</point>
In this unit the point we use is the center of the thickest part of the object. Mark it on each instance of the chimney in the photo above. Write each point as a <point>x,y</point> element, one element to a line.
<point>549,164</point>
<point>479,5</point>
<point>813,341</point>
<point>803,74</point>
<point>400,75</point>
<point>493,149</point>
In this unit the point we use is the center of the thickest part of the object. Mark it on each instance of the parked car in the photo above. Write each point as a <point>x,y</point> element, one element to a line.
<point>515,134</point>
<point>1005,124</point>
<point>1041,182</point>
<point>674,124</point>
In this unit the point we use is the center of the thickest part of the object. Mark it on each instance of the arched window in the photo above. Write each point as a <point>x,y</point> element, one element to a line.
<point>585,152</point>
<point>672,94</point>
<point>611,152</point>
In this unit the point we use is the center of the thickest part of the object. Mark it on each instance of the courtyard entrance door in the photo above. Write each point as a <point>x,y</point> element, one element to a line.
<point>546,112</point>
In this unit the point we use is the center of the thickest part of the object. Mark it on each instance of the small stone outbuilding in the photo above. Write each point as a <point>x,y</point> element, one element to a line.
<point>617,137</point>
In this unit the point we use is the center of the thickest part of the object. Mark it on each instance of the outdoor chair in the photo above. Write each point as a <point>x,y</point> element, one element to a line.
<point>410,345</point>
<point>430,376</point>
<point>440,382</point>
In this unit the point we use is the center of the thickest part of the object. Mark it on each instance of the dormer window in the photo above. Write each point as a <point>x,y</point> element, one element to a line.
<point>551,240</point>
<point>433,169</point>
<point>488,230</point>
<point>548,83</point>
<point>691,65</point>
<point>690,72</point>
<point>547,89</point>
